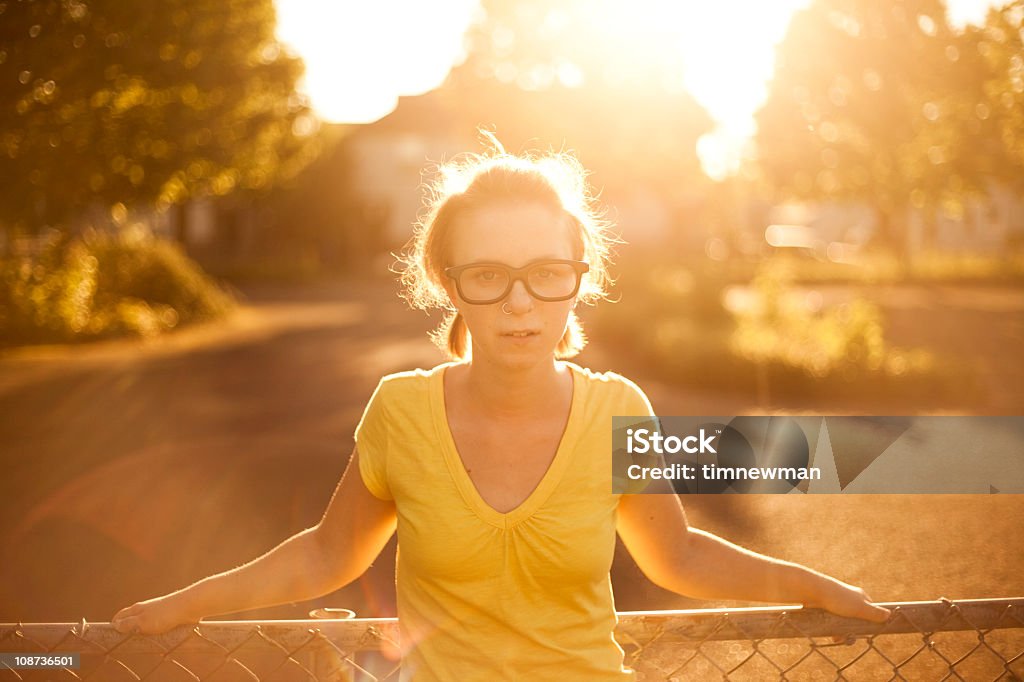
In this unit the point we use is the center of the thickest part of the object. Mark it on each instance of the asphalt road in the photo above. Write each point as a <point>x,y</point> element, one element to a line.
<point>130,469</point>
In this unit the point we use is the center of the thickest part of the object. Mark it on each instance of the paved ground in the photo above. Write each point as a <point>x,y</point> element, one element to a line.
<point>130,468</point>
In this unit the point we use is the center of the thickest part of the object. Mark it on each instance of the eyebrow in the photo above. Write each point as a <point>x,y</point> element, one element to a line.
<point>498,262</point>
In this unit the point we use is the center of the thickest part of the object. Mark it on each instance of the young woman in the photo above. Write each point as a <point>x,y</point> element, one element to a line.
<point>495,468</point>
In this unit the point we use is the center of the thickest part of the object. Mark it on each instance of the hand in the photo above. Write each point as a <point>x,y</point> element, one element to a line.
<point>151,617</point>
<point>853,602</point>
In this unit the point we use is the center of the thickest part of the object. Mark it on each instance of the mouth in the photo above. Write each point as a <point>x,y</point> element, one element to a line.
<point>522,334</point>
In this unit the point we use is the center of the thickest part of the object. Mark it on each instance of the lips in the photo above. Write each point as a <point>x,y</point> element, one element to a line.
<point>521,333</point>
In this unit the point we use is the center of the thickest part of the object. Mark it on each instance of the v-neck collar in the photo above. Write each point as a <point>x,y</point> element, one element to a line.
<point>547,483</point>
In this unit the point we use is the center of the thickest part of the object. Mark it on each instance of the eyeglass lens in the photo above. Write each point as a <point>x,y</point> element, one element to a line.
<point>547,280</point>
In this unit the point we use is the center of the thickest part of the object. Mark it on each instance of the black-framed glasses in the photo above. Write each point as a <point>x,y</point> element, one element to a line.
<point>546,280</point>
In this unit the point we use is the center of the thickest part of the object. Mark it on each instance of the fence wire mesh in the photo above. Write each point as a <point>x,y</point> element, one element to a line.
<point>980,639</point>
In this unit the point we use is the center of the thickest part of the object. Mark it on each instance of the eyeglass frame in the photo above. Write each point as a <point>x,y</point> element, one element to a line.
<point>519,275</point>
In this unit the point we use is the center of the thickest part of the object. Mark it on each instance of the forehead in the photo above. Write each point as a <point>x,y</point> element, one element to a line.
<point>512,233</point>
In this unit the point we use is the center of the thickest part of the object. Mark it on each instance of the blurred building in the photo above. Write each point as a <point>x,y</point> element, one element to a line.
<point>836,231</point>
<point>989,225</point>
<point>387,158</point>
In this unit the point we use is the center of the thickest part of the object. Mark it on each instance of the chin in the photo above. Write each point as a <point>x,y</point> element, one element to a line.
<point>517,358</point>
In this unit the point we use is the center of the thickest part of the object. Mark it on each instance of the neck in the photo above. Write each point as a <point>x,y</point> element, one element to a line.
<point>502,391</point>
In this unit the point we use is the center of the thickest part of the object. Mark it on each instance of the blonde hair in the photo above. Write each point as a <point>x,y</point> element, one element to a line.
<point>556,180</point>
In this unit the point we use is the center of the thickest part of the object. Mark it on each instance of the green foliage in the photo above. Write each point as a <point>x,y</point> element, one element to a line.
<point>999,106</point>
<point>884,102</point>
<point>103,101</point>
<point>844,111</point>
<point>932,267</point>
<point>702,325</point>
<point>847,338</point>
<point>100,286</point>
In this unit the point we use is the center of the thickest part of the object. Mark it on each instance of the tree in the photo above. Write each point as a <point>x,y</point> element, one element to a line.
<point>869,102</point>
<point>104,102</point>
<point>998,103</point>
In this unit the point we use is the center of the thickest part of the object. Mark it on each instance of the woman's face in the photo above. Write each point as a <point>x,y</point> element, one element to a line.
<point>513,234</point>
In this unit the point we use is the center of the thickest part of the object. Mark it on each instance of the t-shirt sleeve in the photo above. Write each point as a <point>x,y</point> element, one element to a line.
<point>372,444</point>
<point>634,406</point>
<point>635,402</point>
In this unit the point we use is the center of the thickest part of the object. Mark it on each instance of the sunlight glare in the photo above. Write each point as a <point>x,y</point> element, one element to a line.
<point>728,54</point>
<point>963,12</point>
<point>360,57</point>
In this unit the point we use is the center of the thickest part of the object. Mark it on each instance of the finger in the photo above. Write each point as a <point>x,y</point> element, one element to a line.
<point>126,611</point>
<point>126,625</point>
<point>877,614</point>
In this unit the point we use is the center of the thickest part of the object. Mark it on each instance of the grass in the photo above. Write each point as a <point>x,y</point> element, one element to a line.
<point>884,268</point>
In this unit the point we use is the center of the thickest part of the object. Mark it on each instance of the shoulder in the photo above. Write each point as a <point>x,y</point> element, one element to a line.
<point>612,387</point>
<point>411,382</point>
<point>404,401</point>
<point>605,381</point>
<point>402,394</point>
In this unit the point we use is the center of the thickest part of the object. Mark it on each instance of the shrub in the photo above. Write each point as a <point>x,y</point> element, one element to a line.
<point>843,338</point>
<point>695,327</point>
<point>101,285</point>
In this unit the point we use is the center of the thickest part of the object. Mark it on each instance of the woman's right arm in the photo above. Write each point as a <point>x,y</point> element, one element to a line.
<point>354,529</point>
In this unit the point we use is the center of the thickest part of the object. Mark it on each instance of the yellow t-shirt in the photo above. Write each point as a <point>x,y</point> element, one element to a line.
<point>484,595</point>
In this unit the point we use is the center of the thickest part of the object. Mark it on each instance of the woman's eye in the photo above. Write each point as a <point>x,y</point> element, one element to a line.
<point>487,275</point>
<point>544,273</point>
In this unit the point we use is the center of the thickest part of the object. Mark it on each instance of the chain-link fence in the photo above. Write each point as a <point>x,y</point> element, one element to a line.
<point>980,639</point>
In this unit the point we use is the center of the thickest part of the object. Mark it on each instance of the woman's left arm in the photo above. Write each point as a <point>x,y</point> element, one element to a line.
<point>698,564</point>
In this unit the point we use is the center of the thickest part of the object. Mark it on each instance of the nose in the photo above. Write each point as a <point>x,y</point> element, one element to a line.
<point>519,299</point>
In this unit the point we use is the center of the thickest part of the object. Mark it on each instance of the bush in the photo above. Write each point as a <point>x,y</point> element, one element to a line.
<point>694,327</point>
<point>844,338</point>
<point>932,267</point>
<point>101,285</point>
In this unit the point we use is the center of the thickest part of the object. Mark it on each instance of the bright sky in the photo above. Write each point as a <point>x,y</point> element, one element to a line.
<point>360,56</point>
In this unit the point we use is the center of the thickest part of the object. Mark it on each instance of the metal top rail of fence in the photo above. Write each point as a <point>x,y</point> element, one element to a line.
<point>977,639</point>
